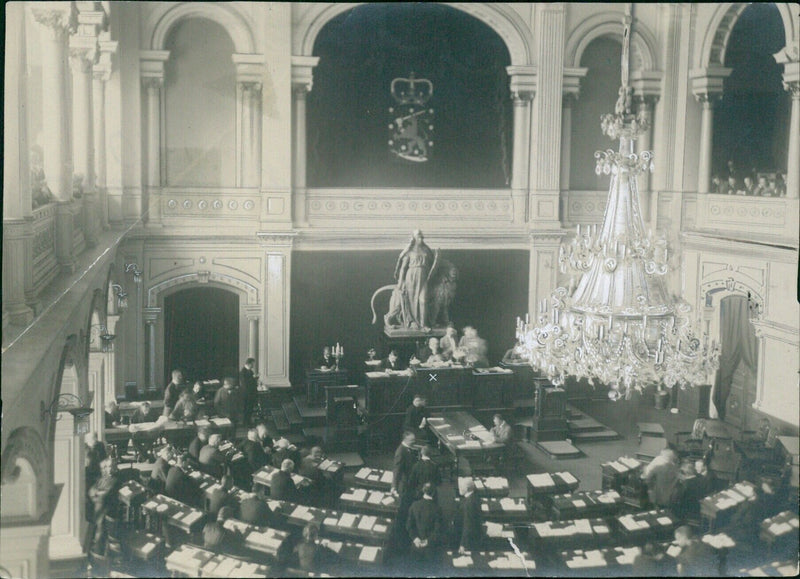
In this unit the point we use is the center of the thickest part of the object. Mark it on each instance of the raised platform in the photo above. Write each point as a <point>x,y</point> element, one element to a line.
<point>405,333</point>
<point>307,412</point>
<point>600,435</point>
<point>559,449</point>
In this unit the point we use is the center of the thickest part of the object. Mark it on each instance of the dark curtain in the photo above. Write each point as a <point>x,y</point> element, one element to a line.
<point>739,344</point>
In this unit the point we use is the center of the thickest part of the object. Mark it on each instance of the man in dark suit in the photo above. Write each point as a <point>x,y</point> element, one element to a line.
<point>282,487</point>
<point>308,468</point>
<point>227,402</point>
<point>173,391</point>
<point>416,419</point>
<point>253,451</point>
<point>424,471</point>
<point>424,526</point>
<point>198,442</point>
<point>254,511</point>
<point>145,413</point>
<point>284,449</point>
<point>393,362</point>
<point>217,538</point>
<point>211,459</point>
<point>469,522</point>
<point>249,388</point>
<point>220,497</point>
<point>327,362</point>
<point>180,486</point>
<point>404,459</point>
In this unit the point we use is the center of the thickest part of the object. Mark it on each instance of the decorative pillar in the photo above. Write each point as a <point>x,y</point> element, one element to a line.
<point>522,84</point>
<point>82,59</point>
<point>571,88</point>
<point>791,82</point>
<point>249,75</point>
<point>152,73</point>
<point>150,316</point>
<point>55,19</point>
<point>543,268</point>
<point>302,81</point>
<point>110,380</point>
<point>273,356</point>
<point>544,172</point>
<point>253,314</point>
<point>100,75</point>
<point>647,90</point>
<point>17,231</point>
<point>707,84</point>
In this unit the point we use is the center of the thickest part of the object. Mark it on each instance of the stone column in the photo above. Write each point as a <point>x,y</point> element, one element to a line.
<point>302,81</point>
<point>570,91</point>
<point>274,352</point>
<point>793,158</point>
<point>543,272</point>
<point>646,106</point>
<point>100,76</point>
<point>17,219</point>
<point>55,20</point>
<point>252,334</point>
<point>110,380</point>
<point>522,85</point>
<point>544,174</point>
<point>150,319</point>
<point>707,84</point>
<point>152,72</point>
<point>249,76</point>
<point>82,60</point>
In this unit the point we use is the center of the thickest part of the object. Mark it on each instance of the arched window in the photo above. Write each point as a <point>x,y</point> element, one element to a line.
<point>599,92</point>
<point>200,109</point>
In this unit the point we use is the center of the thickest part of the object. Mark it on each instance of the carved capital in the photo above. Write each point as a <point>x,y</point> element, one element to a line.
<point>250,86</point>
<point>57,16</point>
<point>522,82</point>
<point>81,59</point>
<point>793,88</point>
<point>150,315</point>
<point>153,83</point>
<point>303,72</point>
<point>707,99</point>
<point>522,97</point>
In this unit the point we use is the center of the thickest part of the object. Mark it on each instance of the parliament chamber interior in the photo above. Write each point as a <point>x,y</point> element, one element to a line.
<point>400,289</point>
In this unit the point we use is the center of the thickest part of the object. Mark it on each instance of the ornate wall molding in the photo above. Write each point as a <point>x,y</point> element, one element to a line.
<point>644,48</point>
<point>395,204</point>
<point>583,207</point>
<point>203,276</point>
<point>242,203</point>
<point>747,218</point>
<point>502,19</point>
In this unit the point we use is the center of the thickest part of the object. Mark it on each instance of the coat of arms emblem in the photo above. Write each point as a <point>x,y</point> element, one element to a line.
<point>411,126</point>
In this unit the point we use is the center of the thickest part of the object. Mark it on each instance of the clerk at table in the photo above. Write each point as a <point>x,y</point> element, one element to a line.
<point>393,362</point>
<point>327,362</point>
<point>145,413</point>
<point>501,431</point>
<point>186,408</point>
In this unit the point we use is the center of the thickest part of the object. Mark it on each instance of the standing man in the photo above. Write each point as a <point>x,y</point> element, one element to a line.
<point>173,391</point>
<point>424,471</point>
<point>469,523</point>
<point>404,459</point>
<point>425,525</point>
<point>227,402</point>
<point>416,419</point>
<point>249,387</point>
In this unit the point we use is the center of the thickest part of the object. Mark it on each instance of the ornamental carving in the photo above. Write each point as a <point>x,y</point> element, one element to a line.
<point>43,242</point>
<point>349,207</point>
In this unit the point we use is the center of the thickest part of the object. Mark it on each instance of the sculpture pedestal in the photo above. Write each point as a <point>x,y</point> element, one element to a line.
<point>407,342</point>
<point>550,414</point>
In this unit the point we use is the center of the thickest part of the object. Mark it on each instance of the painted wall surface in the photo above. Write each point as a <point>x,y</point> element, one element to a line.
<point>331,294</point>
<point>200,89</point>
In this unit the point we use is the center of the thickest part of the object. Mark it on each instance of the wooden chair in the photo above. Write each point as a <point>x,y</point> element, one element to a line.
<point>725,461</point>
<point>693,444</point>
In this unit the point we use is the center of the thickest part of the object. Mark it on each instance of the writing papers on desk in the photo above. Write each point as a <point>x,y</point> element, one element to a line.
<point>197,562</point>
<point>491,486</point>
<point>373,501</point>
<point>374,478</point>
<point>505,509</point>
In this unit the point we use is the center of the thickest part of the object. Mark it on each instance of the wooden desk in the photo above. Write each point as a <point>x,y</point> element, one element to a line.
<point>617,472</point>
<point>196,562</point>
<point>499,535</point>
<point>261,539</point>
<point>143,546</point>
<point>719,507</point>
<point>638,528</point>
<point>650,447</point>
<point>586,504</point>
<point>487,486</point>
<point>776,569</point>
<point>369,528</point>
<point>494,388</point>
<point>368,555</point>
<point>550,536</point>
<point>162,509</point>
<point>317,380</point>
<point>781,527</point>
<point>370,501</point>
<point>262,478</point>
<point>450,428</point>
<point>484,563</point>
<point>504,509</point>
<point>653,429</point>
<point>374,478</point>
<point>132,494</point>
<point>544,484</point>
<point>615,559</point>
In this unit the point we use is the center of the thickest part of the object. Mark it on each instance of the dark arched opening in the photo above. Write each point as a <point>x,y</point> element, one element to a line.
<point>201,333</point>
<point>361,52</point>
<point>751,118</point>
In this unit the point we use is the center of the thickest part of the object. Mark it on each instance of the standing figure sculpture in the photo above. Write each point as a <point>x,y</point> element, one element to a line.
<point>412,272</point>
<point>424,289</point>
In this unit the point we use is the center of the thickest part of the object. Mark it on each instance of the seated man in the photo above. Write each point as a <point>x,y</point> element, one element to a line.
<point>254,511</point>
<point>282,487</point>
<point>428,355</point>
<point>185,409</point>
<point>475,348</point>
<point>211,459</point>
<point>311,556</point>
<point>227,402</point>
<point>392,362</point>
<point>253,451</point>
<point>103,495</point>
<point>198,442</point>
<point>112,415</point>
<point>501,431</point>
<point>145,413</point>
<point>694,489</point>
<point>284,449</point>
<point>217,538</point>
<point>696,559</point>
<point>173,391</point>
<point>449,342</point>
<point>416,419</point>
<point>221,497</point>
<point>180,486</point>
<point>327,362</point>
<point>308,468</point>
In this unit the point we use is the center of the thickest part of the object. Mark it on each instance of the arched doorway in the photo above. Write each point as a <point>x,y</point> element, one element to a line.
<point>734,389</point>
<point>201,333</point>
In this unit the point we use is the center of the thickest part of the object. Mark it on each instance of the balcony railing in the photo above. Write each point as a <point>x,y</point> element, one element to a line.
<point>45,266</point>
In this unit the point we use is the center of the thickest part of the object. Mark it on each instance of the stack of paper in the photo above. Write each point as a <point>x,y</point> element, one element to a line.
<point>628,555</point>
<point>366,523</point>
<point>368,554</point>
<point>363,472</point>
<point>347,520</point>
<point>629,462</point>
<point>387,477</point>
<point>583,526</point>
<point>579,503</point>
<point>541,480</point>
<point>778,529</point>
<point>192,517</point>
<point>601,530</point>
<point>360,494</point>
<point>162,508</point>
<point>125,491</point>
<point>568,478</point>
<point>617,466</point>
<point>330,522</point>
<point>147,548</point>
<point>666,521</point>
<point>335,546</point>
<point>472,444</point>
<point>226,567</point>
<point>463,561</point>
<point>375,498</point>
<point>378,528</point>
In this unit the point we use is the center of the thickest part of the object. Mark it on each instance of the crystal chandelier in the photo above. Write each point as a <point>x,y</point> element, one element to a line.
<point>618,326</point>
